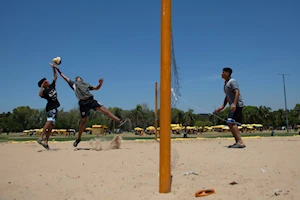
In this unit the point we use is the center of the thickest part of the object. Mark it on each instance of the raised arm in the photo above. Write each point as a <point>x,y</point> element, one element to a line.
<point>41,90</point>
<point>61,74</point>
<point>100,84</point>
<point>54,74</point>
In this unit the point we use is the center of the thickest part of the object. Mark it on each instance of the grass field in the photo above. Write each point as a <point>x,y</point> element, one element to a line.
<point>130,136</point>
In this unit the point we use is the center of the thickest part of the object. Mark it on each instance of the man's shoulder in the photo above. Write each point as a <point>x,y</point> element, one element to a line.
<point>45,93</point>
<point>229,81</point>
<point>53,84</point>
<point>232,81</point>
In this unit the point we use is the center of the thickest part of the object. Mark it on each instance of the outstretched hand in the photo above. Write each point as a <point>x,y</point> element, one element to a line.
<point>101,80</point>
<point>54,67</point>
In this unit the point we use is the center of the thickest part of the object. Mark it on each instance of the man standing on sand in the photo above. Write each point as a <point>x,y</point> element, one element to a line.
<point>87,102</point>
<point>234,98</point>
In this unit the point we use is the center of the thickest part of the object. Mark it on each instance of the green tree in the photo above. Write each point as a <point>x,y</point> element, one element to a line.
<point>189,117</point>
<point>264,115</point>
<point>137,116</point>
<point>203,123</point>
<point>22,116</point>
<point>177,116</point>
<point>251,114</point>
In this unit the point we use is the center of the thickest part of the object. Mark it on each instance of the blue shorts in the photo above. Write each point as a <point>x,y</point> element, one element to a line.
<point>52,115</point>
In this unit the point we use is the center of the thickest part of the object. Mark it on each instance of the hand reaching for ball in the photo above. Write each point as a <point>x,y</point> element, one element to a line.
<point>52,65</point>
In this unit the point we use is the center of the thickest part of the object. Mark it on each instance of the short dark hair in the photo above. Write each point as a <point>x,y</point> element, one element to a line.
<point>77,77</point>
<point>41,82</point>
<point>228,70</point>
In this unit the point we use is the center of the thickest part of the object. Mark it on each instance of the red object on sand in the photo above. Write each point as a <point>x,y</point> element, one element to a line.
<point>203,193</point>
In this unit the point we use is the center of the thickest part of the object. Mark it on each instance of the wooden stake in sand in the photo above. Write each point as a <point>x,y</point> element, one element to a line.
<point>165,99</point>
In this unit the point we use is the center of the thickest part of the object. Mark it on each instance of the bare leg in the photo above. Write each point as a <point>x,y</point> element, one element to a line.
<point>108,113</point>
<point>236,133</point>
<point>50,127</point>
<point>47,125</point>
<point>82,126</point>
<point>81,129</point>
<point>46,130</point>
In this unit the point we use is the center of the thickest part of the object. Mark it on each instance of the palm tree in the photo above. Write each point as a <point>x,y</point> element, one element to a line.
<point>251,114</point>
<point>137,116</point>
<point>189,117</point>
<point>148,115</point>
<point>279,116</point>
<point>296,112</point>
<point>177,116</point>
<point>264,115</point>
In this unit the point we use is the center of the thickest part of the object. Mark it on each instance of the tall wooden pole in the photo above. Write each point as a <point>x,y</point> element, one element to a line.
<point>156,114</point>
<point>165,99</point>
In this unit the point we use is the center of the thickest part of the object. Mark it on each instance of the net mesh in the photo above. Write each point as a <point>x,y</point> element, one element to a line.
<point>175,75</point>
<point>175,80</point>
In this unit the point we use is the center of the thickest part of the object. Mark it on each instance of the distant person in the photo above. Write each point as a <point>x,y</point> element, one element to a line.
<point>185,132</point>
<point>87,102</point>
<point>234,98</point>
<point>48,92</point>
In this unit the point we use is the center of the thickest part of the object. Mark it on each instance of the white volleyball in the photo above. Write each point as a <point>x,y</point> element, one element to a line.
<point>57,60</point>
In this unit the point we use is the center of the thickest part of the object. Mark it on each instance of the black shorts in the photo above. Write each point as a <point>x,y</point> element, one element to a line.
<point>52,115</point>
<point>86,105</point>
<point>236,116</point>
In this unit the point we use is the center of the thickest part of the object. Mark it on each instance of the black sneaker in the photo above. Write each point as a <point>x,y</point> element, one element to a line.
<point>237,145</point>
<point>43,144</point>
<point>76,142</point>
<point>122,122</point>
<point>230,146</point>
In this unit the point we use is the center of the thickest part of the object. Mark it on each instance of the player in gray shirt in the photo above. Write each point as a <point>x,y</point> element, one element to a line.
<point>234,98</point>
<point>87,102</point>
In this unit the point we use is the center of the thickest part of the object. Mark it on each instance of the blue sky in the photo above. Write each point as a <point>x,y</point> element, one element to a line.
<point>120,41</point>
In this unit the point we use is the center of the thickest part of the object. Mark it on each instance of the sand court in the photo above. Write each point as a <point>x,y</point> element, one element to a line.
<point>268,168</point>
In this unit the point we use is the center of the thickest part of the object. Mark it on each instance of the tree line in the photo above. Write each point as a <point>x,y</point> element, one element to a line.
<point>25,118</point>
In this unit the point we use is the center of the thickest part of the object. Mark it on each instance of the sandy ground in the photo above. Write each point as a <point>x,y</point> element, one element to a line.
<point>268,168</point>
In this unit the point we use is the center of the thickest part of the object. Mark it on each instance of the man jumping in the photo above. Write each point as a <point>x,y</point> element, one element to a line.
<point>48,92</point>
<point>87,102</point>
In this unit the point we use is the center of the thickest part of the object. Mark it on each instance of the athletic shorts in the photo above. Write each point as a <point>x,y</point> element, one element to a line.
<point>86,105</point>
<point>52,115</point>
<point>236,116</point>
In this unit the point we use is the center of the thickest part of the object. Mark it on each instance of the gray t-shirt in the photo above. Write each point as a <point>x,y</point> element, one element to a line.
<point>229,88</point>
<point>81,89</point>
